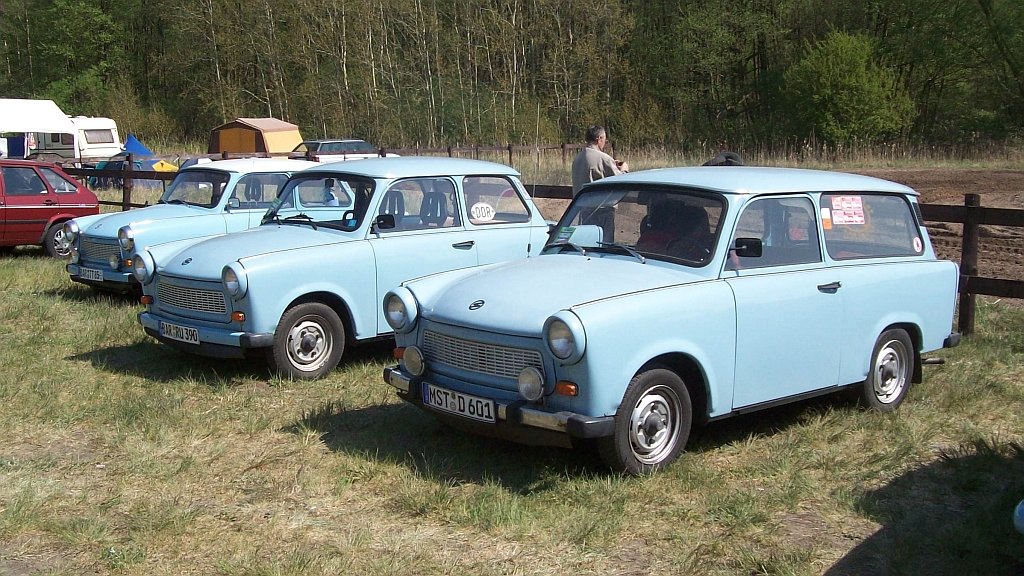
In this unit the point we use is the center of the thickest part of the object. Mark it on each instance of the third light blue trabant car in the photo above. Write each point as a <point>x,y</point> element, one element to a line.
<point>203,200</point>
<point>311,278</point>
<point>668,298</point>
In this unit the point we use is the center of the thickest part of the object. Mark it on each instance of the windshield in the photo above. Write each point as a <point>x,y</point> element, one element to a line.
<point>196,188</point>
<point>330,200</point>
<point>661,223</point>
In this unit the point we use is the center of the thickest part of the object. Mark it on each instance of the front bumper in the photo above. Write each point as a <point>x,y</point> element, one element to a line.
<point>213,342</point>
<point>516,421</point>
<point>107,279</point>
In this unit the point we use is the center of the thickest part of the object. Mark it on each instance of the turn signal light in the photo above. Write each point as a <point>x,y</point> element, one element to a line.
<point>398,353</point>
<point>565,388</point>
<point>146,299</point>
<point>128,263</point>
<point>238,316</point>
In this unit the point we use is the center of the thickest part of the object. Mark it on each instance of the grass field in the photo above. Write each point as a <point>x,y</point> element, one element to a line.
<point>121,456</point>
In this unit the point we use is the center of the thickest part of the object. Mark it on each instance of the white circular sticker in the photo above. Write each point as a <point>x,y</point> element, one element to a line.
<point>918,247</point>
<point>482,211</point>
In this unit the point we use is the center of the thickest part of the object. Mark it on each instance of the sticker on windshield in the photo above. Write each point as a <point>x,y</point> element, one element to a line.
<point>565,233</point>
<point>482,211</point>
<point>847,210</point>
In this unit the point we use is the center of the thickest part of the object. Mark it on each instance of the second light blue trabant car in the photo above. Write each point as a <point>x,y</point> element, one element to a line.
<point>672,297</point>
<point>203,200</point>
<point>311,278</point>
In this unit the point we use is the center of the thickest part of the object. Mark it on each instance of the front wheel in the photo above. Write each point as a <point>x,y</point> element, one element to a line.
<point>308,342</point>
<point>652,424</point>
<point>892,365</point>
<point>54,242</point>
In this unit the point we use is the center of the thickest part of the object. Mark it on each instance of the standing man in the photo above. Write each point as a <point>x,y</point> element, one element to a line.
<point>592,163</point>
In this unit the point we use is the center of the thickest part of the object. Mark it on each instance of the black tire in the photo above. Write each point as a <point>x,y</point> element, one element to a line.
<point>53,241</point>
<point>652,424</point>
<point>890,372</point>
<point>308,342</point>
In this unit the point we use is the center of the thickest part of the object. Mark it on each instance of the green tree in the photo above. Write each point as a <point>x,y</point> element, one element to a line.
<point>841,94</point>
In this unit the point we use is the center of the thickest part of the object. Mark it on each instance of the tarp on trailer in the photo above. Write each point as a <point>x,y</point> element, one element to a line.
<point>255,135</point>
<point>20,115</point>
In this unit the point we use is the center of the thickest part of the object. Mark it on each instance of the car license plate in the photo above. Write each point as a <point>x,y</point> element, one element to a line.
<point>179,333</point>
<point>91,274</point>
<point>458,403</point>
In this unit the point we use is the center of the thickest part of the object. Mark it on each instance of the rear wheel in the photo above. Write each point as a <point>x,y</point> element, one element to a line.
<point>54,242</point>
<point>889,376</point>
<point>652,424</point>
<point>308,343</point>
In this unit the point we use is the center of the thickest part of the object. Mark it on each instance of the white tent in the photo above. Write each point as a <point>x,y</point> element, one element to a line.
<point>17,115</point>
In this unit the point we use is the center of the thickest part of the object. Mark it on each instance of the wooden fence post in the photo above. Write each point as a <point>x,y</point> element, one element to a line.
<point>564,152</point>
<point>126,183</point>
<point>969,261</point>
<point>510,155</point>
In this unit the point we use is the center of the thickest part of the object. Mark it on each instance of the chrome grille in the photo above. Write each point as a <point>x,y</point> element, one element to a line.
<point>206,301</point>
<point>500,361</point>
<point>93,250</point>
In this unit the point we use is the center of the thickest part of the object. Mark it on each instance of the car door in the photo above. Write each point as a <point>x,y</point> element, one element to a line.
<point>499,219</point>
<point>789,308</point>
<point>429,235</point>
<point>28,204</point>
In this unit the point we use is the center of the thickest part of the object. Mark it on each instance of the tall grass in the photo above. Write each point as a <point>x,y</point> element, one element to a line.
<point>121,456</point>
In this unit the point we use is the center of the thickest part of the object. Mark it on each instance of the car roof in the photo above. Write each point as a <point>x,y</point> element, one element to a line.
<point>20,162</point>
<point>254,165</point>
<point>409,166</point>
<point>327,140</point>
<point>758,179</point>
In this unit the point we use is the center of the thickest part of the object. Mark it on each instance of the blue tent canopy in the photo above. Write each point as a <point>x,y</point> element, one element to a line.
<point>136,148</point>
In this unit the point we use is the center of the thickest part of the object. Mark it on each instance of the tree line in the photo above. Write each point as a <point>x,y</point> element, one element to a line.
<point>403,73</point>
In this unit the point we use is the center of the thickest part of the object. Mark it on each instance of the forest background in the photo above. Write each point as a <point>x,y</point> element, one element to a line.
<point>750,75</point>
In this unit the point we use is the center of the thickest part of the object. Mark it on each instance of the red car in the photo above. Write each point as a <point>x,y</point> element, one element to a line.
<point>36,199</point>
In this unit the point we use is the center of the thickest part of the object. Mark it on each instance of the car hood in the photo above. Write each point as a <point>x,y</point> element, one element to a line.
<point>516,297</point>
<point>206,259</point>
<point>108,224</point>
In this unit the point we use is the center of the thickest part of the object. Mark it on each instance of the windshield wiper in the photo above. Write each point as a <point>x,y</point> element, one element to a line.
<point>623,248</point>
<point>301,217</point>
<point>560,245</point>
<point>172,201</point>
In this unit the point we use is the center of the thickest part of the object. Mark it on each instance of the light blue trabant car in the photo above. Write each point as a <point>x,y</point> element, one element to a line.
<point>203,200</point>
<point>672,297</point>
<point>311,278</point>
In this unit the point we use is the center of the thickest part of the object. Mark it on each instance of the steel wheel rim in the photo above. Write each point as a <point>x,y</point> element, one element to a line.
<point>654,425</point>
<point>890,372</point>
<point>309,343</point>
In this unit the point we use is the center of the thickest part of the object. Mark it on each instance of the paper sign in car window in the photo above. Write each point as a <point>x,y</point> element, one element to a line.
<point>847,210</point>
<point>826,218</point>
<point>482,211</point>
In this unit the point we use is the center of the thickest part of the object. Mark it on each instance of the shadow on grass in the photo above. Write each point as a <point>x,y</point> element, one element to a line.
<point>161,363</point>
<point>405,435</point>
<point>953,516</point>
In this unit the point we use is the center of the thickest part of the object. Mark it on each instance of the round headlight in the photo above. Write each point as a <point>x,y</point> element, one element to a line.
<point>400,310</point>
<point>114,261</point>
<point>126,238</point>
<point>412,359</point>
<point>531,384</point>
<point>143,267</point>
<point>565,337</point>
<point>234,279</point>
<point>70,231</point>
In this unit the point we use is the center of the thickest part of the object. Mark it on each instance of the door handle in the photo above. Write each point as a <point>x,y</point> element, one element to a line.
<point>466,244</point>
<point>49,202</point>
<point>831,287</point>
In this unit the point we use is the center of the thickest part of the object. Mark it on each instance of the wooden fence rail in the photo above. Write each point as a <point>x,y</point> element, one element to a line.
<point>971,215</point>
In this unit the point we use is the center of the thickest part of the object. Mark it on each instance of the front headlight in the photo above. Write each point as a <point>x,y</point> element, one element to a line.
<point>531,383</point>
<point>400,310</point>
<point>126,238</point>
<point>565,337</point>
<point>114,261</point>
<point>235,280</point>
<point>143,267</point>
<point>71,232</point>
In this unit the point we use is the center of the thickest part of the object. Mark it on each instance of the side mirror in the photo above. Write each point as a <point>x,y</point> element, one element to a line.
<point>385,222</point>
<point>748,247</point>
<point>234,202</point>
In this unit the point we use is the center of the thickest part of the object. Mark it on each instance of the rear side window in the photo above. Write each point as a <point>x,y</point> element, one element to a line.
<point>60,184</point>
<point>493,200</point>
<point>859,225</point>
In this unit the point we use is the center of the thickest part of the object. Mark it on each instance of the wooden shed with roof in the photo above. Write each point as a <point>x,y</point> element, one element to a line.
<point>255,135</point>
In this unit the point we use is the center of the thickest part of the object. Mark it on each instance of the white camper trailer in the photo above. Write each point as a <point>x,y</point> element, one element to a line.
<point>39,129</point>
<point>94,138</point>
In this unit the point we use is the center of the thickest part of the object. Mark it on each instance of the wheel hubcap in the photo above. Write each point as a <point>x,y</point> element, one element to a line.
<point>890,372</point>
<point>308,345</point>
<point>654,425</point>
<point>60,247</point>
